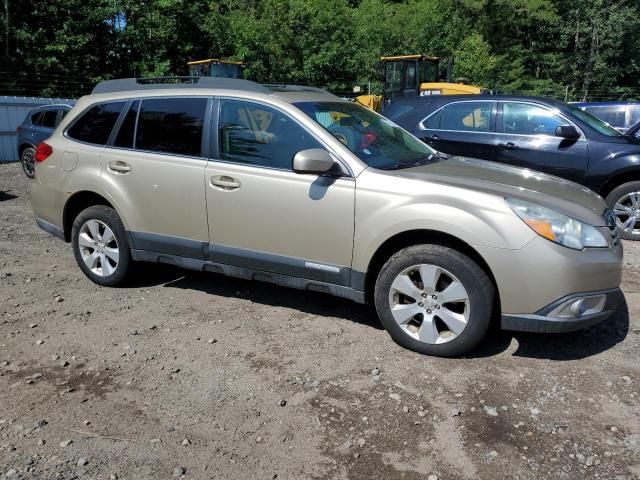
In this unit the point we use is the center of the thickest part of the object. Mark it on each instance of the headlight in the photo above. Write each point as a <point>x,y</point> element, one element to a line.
<point>557,227</point>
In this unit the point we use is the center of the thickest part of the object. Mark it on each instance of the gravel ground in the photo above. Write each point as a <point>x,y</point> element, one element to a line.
<point>201,376</point>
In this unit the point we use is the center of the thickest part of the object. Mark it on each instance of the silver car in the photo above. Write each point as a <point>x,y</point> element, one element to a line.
<point>295,186</point>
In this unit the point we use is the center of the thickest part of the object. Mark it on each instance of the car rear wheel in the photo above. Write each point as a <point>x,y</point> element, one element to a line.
<point>27,159</point>
<point>435,300</point>
<point>625,203</point>
<point>100,245</point>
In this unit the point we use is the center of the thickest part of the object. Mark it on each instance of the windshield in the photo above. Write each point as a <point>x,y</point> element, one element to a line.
<point>377,141</point>
<point>594,122</point>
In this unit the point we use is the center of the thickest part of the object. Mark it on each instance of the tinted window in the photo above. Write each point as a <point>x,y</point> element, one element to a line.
<point>63,113</point>
<point>260,135</point>
<point>95,125</point>
<point>127,129</point>
<point>635,114</point>
<point>36,118</point>
<point>171,125</point>
<point>49,118</point>
<point>614,116</point>
<point>525,119</point>
<point>463,116</point>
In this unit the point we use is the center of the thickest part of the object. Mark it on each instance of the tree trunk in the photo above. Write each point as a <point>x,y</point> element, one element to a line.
<point>6,28</point>
<point>588,71</point>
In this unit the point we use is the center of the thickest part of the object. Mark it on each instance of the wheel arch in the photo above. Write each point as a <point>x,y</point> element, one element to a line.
<point>77,203</point>
<point>620,178</point>
<point>416,237</point>
<point>23,146</point>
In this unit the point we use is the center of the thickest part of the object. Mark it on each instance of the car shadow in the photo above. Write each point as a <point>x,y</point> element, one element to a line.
<point>6,196</point>
<point>313,303</point>
<point>559,347</point>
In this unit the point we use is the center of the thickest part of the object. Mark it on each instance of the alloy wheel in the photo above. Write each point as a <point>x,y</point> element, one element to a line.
<point>627,212</point>
<point>98,248</point>
<point>429,303</point>
<point>28,162</point>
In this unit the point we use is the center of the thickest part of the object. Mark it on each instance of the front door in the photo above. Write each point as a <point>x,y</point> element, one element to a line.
<point>462,128</point>
<point>264,216</point>
<point>526,138</point>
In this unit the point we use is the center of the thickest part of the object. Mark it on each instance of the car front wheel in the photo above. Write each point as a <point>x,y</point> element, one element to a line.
<point>27,159</point>
<point>435,300</point>
<point>100,245</point>
<point>625,203</point>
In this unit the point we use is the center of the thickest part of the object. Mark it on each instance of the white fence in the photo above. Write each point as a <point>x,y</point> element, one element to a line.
<point>13,111</point>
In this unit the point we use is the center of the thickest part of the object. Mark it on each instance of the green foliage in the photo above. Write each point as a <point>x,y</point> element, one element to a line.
<point>577,49</point>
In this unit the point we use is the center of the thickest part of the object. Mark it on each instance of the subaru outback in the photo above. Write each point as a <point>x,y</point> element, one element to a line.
<point>295,186</point>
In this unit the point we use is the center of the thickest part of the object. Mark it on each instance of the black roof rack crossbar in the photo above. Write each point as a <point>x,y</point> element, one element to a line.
<point>128,84</point>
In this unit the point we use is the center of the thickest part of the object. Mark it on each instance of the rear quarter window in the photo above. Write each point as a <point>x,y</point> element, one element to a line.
<point>49,118</point>
<point>95,125</point>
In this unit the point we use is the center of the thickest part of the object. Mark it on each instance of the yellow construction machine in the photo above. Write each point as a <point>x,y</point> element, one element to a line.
<point>411,75</point>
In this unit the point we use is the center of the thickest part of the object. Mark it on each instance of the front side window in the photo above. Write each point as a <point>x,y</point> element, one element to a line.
<point>171,125</point>
<point>462,116</point>
<point>95,125</point>
<point>255,134</point>
<point>376,140</point>
<point>527,119</point>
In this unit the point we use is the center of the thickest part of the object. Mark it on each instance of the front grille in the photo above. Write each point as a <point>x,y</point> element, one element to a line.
<point>610,220</point>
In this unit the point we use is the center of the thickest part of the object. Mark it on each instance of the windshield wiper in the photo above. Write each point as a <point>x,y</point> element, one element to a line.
<point>416,163</point>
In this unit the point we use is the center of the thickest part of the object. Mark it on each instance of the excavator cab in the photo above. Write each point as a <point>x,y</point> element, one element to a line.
<point>216,67</point>
<point>405,74</point>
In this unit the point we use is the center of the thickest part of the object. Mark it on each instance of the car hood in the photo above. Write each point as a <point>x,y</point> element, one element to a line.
<point>556,193</point>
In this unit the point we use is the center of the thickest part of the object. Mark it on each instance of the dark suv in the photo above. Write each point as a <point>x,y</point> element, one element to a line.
<point>536,133</point>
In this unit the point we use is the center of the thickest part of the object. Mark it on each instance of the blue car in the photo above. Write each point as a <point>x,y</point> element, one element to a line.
<point>620,115</point>
<point>37,126</point>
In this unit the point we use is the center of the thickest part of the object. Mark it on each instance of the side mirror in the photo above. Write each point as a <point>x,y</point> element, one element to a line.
<point>568,132</point>
<point>313,160</point>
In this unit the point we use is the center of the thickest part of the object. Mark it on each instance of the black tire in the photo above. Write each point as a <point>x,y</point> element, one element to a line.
<point>478,286</point>
<point>616,196</point>
<point>109,217</point>
<point>28,162</point>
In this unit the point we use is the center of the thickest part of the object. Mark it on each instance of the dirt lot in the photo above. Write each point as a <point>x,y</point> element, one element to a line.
<point>199,375</point>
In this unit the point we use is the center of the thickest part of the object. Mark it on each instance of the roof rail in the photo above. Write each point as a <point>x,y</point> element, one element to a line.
<point>129,84</point>
<point>285,87</point>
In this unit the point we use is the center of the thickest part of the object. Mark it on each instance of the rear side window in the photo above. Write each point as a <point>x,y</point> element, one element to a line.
<point>49,118</point>
<point>127,129</point>
<point>95,125</point>
<point>463,116</point>
<point>171,125</point>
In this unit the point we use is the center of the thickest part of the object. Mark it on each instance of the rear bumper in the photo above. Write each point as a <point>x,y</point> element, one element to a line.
<point>543,322</point>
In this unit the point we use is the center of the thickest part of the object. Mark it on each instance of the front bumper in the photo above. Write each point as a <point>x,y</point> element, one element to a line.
<point>544,322</point>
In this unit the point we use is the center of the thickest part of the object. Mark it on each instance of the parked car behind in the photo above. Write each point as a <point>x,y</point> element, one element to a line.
<point>295,186</point>
<point>534,133</point>
<point>619,115</point>
<point>37,126</point>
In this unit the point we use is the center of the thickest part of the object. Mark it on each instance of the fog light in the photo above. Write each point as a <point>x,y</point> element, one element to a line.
<point>579,307</point>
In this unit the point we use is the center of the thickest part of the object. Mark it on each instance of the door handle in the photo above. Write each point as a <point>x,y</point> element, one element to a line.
<point>433,137</point>
<point>119,167</point>
<point>224,182</point>
<point>508,146</point>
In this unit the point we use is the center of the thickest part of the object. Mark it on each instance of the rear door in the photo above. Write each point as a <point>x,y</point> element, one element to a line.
<point>153,168</point>
<point>461,128</point>
<point>526,138</point>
